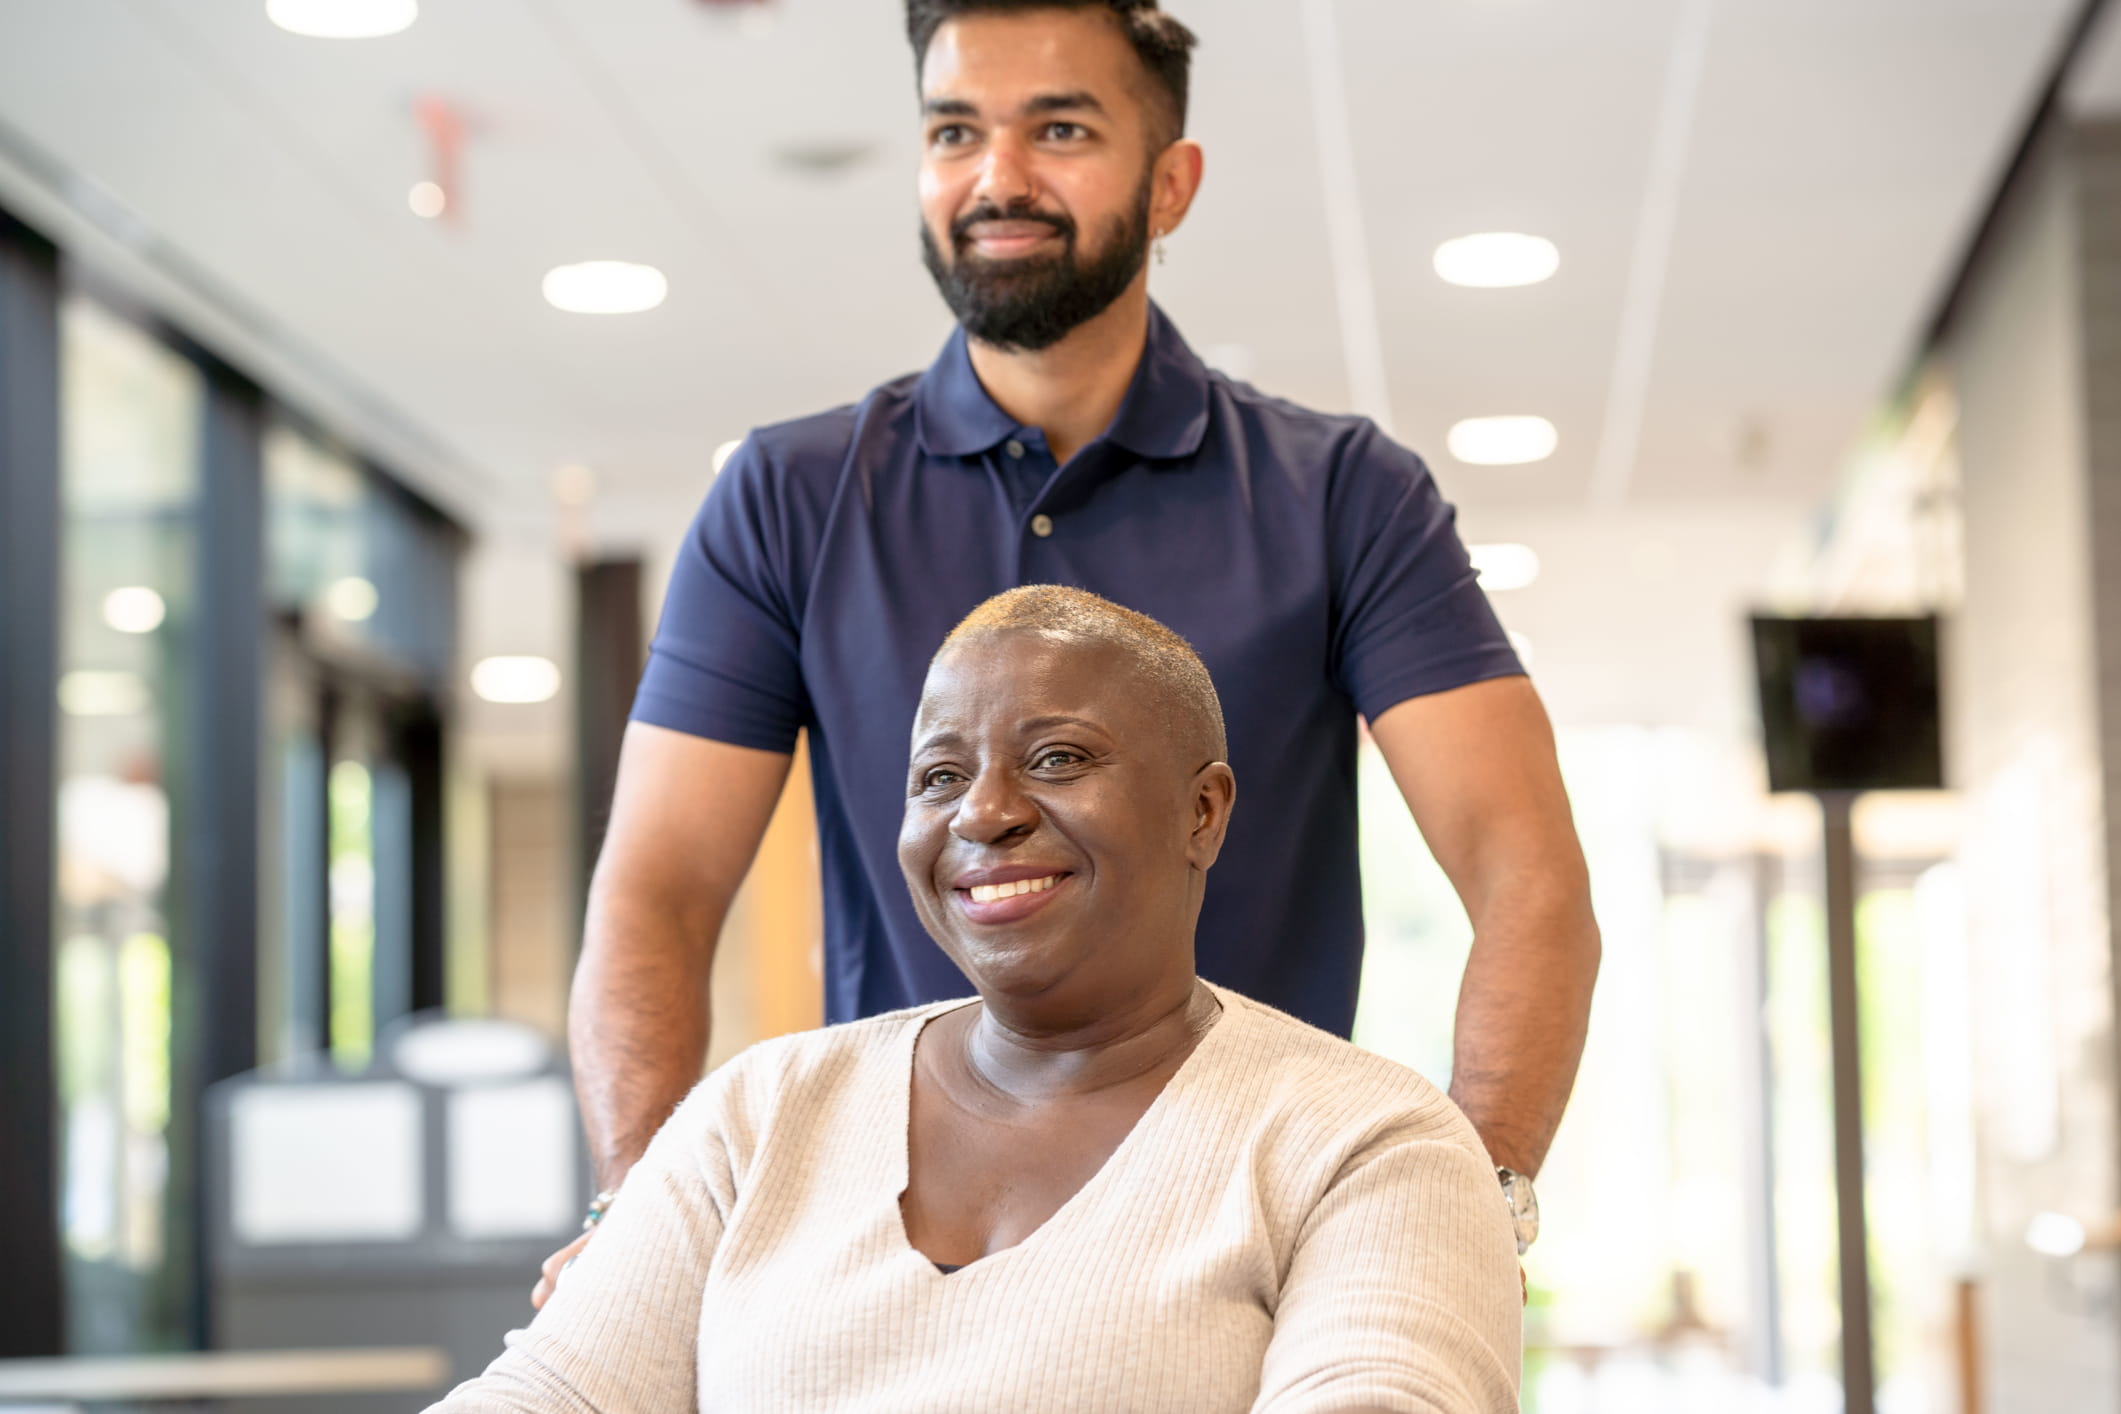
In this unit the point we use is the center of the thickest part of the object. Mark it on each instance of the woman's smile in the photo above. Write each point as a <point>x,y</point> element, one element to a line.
<point>1008,901</point>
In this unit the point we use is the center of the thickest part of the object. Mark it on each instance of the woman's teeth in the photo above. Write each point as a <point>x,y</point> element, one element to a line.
<point>988,893</point>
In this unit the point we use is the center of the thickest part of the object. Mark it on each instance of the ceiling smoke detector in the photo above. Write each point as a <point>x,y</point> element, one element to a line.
<point>824,158</point>
<point>754,18</point>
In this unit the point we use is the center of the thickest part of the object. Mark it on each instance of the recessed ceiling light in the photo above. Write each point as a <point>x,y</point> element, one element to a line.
<point>1505,566</point>
<point>343,19</point>
<point>1497,260</point>
<point>723,453</point>
<point>1502,441</point>
<point>134,609</point>
<point>605,287</point>
<point>516,679</point>
<point>2055,1235</point>
<point>427,200</point>
<point>353,599</point>
<point>96,693</point>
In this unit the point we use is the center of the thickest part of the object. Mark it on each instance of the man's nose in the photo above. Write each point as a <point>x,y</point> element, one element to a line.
<point>1005,180</point>
<point>992,809</point>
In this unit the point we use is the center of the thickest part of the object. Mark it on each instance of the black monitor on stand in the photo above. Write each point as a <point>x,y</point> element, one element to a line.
<point>1849,705</point>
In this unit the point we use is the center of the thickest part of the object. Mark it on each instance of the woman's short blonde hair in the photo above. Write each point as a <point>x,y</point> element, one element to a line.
<point>1166,661</point>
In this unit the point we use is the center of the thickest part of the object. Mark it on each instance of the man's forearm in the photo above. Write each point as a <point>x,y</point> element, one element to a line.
<point>1523,1009</point>
<point>637,1027</point>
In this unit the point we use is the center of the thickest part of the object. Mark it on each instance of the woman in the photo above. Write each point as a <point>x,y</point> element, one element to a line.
<point>1102,1184</point>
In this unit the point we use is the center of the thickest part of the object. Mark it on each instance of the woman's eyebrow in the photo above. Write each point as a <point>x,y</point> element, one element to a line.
<point>936,740</point>
<point>1042,724</point>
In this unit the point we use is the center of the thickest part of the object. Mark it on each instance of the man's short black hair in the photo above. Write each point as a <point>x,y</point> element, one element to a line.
<point>1164,46</point>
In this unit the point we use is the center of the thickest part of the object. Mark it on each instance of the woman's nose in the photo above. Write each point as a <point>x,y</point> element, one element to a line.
<point>992,809</point>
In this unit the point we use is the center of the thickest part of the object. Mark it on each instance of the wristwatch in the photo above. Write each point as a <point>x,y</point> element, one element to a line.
<point>1523,1204</point>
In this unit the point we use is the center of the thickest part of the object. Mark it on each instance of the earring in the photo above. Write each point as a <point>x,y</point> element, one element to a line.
<point>1159,247</point>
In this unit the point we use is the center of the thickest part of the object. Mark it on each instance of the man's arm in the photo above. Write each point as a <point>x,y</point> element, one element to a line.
<point>1478,769</point>
<point>687,816</point>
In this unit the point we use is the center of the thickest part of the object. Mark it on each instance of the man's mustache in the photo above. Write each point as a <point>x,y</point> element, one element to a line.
<point>961,228</point>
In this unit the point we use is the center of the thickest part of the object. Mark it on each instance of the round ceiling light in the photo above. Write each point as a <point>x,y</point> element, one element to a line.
<point>343,19</point>
<point>353,599</point>
<point>427,200</point>
<point>1502,441</point>
<point>1497,260</point>
<point>134,609</point>
<point>1505,566</point>
<point>516,679</point>
<point>605,287</point>
<point>2055,1235</point>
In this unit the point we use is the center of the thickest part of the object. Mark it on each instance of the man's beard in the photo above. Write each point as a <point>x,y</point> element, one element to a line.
<point>1035,301</point>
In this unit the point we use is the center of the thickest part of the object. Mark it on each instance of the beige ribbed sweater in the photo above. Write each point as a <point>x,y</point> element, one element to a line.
<point>1295,1225</point>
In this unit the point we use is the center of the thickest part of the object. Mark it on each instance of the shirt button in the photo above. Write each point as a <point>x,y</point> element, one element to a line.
<point>1042,526</point>
<point>1014,448</point>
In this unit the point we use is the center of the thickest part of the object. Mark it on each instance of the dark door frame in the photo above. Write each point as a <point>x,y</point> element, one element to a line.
<point>34,1302</point>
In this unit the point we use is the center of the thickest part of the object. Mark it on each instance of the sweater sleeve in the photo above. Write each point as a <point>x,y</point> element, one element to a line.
<point>1402,1292</point>
<point>621,1333</point>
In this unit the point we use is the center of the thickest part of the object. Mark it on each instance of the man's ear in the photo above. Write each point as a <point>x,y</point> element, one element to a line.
<point>1175,181</point>
<point>1214,797</point>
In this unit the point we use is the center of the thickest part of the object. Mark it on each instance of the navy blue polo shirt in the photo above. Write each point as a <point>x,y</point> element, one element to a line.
<point>1309,559</point>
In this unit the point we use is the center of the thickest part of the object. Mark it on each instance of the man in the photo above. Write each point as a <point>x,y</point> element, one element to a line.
<point>1067,435</point>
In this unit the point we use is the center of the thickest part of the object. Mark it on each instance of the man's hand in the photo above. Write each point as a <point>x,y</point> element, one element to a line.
<point>1478,769</point>
<point>549,1274</point>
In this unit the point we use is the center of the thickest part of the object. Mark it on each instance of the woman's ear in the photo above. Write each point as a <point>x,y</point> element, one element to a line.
<point>1214,797</point>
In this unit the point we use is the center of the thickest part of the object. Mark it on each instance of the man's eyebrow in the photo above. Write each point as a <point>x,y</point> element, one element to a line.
<point>1078,100</point>
<point>1064,102</point>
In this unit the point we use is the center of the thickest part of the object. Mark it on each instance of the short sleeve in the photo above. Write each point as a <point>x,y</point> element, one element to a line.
<point>1411,618</point>
<point>621,1333</point>
<point>727,658</point>
<point>1403,1293</point>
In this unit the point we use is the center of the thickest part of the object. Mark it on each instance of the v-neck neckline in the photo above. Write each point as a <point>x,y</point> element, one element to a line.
<point>1082,1197</point>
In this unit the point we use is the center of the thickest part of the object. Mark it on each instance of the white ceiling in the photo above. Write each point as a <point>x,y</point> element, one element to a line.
<point>1834,159</point>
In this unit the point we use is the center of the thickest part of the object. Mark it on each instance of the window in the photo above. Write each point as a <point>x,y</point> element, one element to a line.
<point>130,434</point>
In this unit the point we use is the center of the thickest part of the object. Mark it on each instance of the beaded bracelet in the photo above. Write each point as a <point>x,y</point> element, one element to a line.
<point>598,1206</point>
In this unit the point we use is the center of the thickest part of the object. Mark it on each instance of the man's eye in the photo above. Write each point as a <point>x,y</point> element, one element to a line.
<point>949,135</point>
<point>937,779</point>
<point>1066,132</point>
<point>1060,759</point>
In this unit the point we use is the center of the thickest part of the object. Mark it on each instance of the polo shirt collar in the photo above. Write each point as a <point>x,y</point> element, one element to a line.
<point>1164,415</point>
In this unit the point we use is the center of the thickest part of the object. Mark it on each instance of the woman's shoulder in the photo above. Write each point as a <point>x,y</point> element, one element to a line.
<point>1299,1077</point>
<point>801,1075</point>
<point>803,1059</point>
